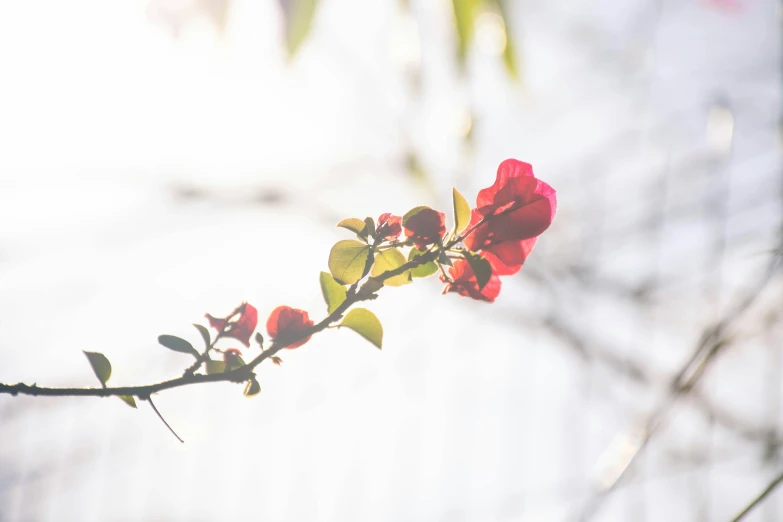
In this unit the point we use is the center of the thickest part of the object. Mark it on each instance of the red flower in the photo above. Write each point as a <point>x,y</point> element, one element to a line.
<point>288,322</point>
<point>242,328</point>
<point>389,227</point>
<point>465,283</point>
<point>425,227</point>
<point>506,257</point>
<point>504,228</point>
<point>518,206</point>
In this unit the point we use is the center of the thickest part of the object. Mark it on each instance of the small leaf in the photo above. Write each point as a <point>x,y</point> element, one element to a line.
<point>215,367</point>
<point>204,335</point>
<point>509,53</point>
<point>252,388</point>
<point>464,14</point>
<point>364,322</point>
<point>347,260</point>
<point>444,259</point>
<point>234,361</point>
<point>387,260</point>
<point>334,293</point>
<point>129,400</point>
<point>369,227</point>
<point>425,270</point>
<point>481,268</point>
<point>412,212</point>
<point>355,225</point>
<point>509,58</point>
<point>259,339</point>
<point>172,342</point>
<point>461,211</point>
<point>100,365</point>
<point>298,20</point>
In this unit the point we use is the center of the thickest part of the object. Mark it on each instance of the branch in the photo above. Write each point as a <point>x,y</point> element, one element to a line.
<point>709,346</point>
<point>760,498</point>
<point>354,295</point>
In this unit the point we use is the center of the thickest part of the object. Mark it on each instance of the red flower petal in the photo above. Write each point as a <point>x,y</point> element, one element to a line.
<point>389,227</point>
<point>214,322</point>
<point>508,257</point>
<point>425,227</point>
<point>285,321</point>
<point>241,329</point>
<point>465,283</point>
<point>231,355</point>
<point>507,170</point>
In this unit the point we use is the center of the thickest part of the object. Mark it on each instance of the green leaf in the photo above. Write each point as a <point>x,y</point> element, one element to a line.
<point>204,335</point>
<point>177,344</point>
<point>481,268</point>
<point>215,367</point>
<point>234,361</point>
<point>417,170</point>
<point>444,259</point>
<point>461,211</point>
<point>464,15</point>
<point>355,225</point>
<point>509,53</point>
<point>298,20</point>
<point>129,400</point>
<point>412,212</point>
<point>252,388</point>
<point>369,228</point>
<point>347,260</point>
<point>425,270</point>
<point>509,57</point>
<point>100,365</point>
<point>334,293</point>
<point>364,322</point>
<point>391,259</point>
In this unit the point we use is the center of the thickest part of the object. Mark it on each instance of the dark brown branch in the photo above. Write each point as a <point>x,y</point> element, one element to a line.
<point>355,294</point>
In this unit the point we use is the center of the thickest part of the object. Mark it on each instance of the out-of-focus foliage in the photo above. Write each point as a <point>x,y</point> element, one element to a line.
<point>298,16</point>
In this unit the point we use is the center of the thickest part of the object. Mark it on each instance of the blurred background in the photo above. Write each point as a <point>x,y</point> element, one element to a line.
<point>160,159</point>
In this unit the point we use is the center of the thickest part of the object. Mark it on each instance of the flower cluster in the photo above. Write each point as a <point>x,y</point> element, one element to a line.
<point>491,240</point>
<point>486,242</point>
<point>503,229</point>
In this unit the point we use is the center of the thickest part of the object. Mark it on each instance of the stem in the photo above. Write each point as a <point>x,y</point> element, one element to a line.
<point>483,220</point>
<point>394,244</point>
<point>443,271</point>
<point>203,357</point>
<point>760,498</point>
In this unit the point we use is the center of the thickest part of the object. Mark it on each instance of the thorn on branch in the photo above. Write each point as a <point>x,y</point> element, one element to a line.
<point>149,399</point>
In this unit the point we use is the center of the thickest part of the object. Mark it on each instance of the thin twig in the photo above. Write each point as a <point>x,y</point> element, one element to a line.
<point>708,347</point>
<point>149,399</point>
<point>760,498</point>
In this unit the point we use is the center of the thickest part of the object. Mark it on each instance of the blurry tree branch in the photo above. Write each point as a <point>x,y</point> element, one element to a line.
<point>712,340</point>
<point>760,498</point>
